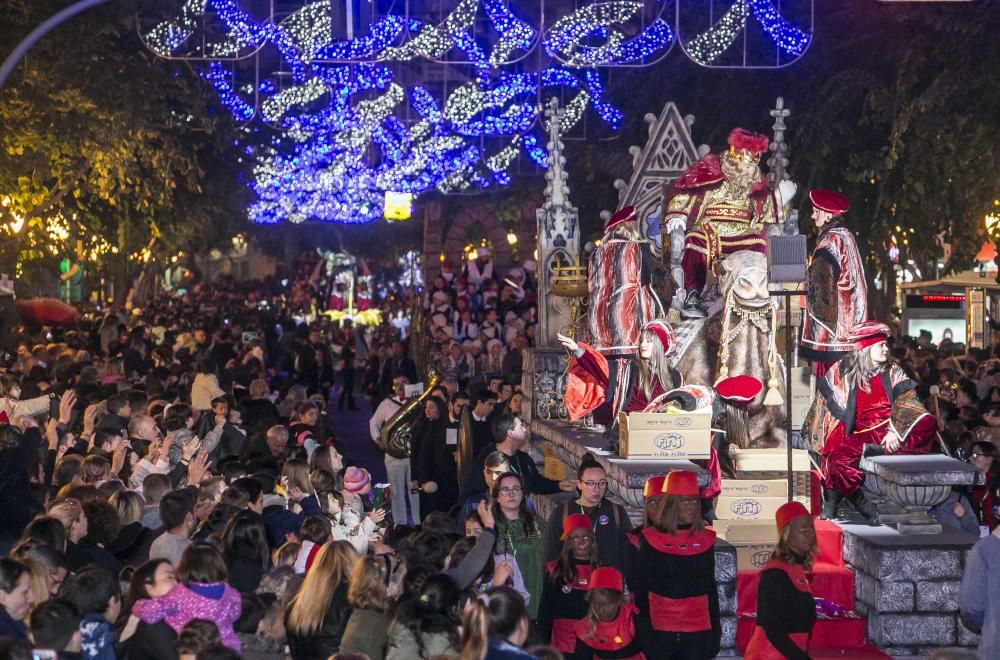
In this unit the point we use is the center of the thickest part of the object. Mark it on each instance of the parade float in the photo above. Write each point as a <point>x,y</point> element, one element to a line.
<point>693,248</point>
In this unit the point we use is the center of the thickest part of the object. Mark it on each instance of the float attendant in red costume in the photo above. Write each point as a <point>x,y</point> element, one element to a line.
<point>674,577</point>
<point>646,376</point>
<point>722,204</point>
<point>566,581</point>
<point>836,290</point>
<point>786,610</point>
<point>871,407</point>
<point>609,629</point>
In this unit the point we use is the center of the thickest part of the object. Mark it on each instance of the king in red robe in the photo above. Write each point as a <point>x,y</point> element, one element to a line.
<point>722,203</point>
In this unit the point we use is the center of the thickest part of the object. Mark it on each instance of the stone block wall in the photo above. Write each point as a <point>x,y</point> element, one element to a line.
<point>909,594</point>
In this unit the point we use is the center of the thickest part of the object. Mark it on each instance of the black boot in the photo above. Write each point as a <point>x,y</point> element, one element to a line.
<point>864,507</point>
<point>831,500</point>
<point>873,450</point>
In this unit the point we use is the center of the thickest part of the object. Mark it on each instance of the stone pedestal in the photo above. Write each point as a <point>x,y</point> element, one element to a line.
<point>907,586</point>
<point>906,487</point>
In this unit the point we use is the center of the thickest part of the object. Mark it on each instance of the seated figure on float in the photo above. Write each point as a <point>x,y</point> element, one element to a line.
<point>722,204</point>
<point>647,384</point>
<point>865,405</point>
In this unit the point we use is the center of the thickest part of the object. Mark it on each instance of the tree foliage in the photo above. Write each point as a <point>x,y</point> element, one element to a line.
<point>101,142</point>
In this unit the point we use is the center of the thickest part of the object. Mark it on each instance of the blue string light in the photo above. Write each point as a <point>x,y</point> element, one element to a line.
<point>340,144</point>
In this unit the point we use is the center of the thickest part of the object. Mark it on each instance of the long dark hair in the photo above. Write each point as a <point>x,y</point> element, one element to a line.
<point>142,578</point>
<point>523,513</point>
<point>434,610</point>
<point>666,516</point>
<point>245,535</point>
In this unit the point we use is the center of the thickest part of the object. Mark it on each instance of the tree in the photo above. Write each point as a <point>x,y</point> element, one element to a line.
<point>106,144</point>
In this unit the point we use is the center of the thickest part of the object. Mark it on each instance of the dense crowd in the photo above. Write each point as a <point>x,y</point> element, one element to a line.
<point>176,484</point>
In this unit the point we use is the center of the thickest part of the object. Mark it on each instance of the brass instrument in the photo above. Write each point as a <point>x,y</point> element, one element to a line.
<point>397,434</point>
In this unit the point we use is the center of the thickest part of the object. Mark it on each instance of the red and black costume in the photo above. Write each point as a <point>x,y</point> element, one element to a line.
<point>786,613</point>
<point>592,387</point>
<point>608,640</point>
<point>786,610</point>
<point>563,605</point>
<point>836,289</point>
<point>674,582</point>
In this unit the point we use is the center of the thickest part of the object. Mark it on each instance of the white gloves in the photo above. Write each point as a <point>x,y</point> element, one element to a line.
<point>675,223</point>
<point>786,191</point>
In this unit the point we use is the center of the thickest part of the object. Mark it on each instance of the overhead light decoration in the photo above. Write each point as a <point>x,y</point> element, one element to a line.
<point>705,48</point>
<point>346,130</point>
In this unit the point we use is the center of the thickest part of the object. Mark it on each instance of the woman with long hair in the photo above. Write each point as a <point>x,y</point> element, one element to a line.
<point>869,402</point>
<point>153,579</point>
<point>70,513</point>
<point>432,460</point>
<point>519,534</point>
<point>327,458</point>
<point>652,493</point>
<point>318,613</point>
<point>295,475</point>
<point>608,630</point>
<point>201,592</point>
<point>786,610</point>
<point>674,577</point>
<point>245,549</point>
<point>427,625</point>
<point>374,581</point>
<point>647,376</point>
<point>563,601</point>
<point>495,626</point>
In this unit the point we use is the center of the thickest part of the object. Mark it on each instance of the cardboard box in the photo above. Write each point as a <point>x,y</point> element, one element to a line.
<point>755,488</point>
<point>753,556</point>
<point>748,508</point>
<point>664,436</point>
<point>746,531</point>
<point>770,460</point>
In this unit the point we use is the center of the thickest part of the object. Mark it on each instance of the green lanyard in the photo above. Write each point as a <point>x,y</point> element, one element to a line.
<point>593,523</point>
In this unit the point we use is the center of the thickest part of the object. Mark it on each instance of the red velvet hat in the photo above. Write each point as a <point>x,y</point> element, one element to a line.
<point>739,389</point>
<point>653,486</point>
<point>447,264</point>
<point>575,521</point>
<point>788,512</point>
<point>664,332</point>
<point>829,201</point>
<point>681,483</point>
<point>741,139</point>
<point>623,215</point>
<point>606,577</point>
<point>868,333</point>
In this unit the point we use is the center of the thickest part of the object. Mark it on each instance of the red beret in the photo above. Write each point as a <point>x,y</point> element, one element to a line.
<point>868,333</point>
<point>788,512</point>
<point>447,264</point>
<point>681,483</point>
<point>739,389</point>
<point>575,521</point>
<point>829,201</point>
<point>653,486</point>
<point>606,577</point>
<point>621,216</point>
<point>741,139</point>
<point>664,332</point>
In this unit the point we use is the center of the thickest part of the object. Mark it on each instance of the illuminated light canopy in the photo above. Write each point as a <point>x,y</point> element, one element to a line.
<point>707,47</point>
<point>346,132</point>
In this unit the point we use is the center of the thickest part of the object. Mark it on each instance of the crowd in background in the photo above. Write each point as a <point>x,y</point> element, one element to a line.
<point>176,483</point>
